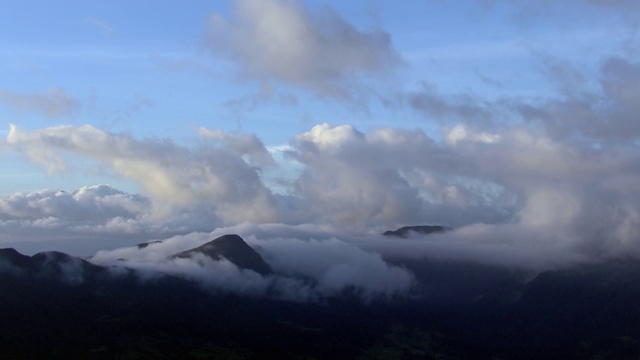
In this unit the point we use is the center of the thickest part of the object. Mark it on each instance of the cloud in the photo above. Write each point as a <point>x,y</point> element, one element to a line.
<point>55,103</point>
<point>306,268</point>
<point>213,178</point>
<point>244,145</point>
<point>444,108</point>
<point>600,108</point>
<point>92,213</point>
<point>98,204</point>
<point>560,174</point>
<point>605,114</point>
<point>285,42</point>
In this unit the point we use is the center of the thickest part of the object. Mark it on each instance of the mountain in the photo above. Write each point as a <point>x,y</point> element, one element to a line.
<point>458,310</point>
<point>10,259</point>
<point>579,312</point>
<point>50,264</point>
<point>405,231</point>
<point>233,248</point>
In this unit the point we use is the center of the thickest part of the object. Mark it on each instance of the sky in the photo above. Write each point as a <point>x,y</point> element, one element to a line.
<point>326,123</point>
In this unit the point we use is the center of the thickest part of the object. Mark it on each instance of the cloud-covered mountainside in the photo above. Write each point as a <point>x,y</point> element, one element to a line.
<point>292,269</point>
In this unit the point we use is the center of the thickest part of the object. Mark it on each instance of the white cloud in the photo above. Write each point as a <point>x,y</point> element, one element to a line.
<point>285,42</point>
<point>213,177</point>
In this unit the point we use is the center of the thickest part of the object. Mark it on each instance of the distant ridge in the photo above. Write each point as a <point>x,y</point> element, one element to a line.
<point>233,248</point>
<point>48,264</point>
<point>405,231</point>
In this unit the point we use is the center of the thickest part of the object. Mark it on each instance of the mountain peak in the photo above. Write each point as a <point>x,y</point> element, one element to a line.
<point>419,229</point>
<point>233,248</point>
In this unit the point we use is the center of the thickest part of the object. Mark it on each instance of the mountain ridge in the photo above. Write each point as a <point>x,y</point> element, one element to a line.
<point>462,311</point>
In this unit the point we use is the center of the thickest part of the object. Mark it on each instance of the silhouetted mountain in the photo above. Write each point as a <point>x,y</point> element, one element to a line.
<point>50,264</point>
<point>405,231</point>
<point>233,248</point>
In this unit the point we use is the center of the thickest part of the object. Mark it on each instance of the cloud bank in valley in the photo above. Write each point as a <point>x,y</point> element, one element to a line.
<point>309,264</point>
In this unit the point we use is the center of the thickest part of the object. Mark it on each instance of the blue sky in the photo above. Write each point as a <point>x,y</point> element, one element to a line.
<point>356,115</point>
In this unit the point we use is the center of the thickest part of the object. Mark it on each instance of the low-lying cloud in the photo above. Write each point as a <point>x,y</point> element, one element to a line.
<point>312,267</point>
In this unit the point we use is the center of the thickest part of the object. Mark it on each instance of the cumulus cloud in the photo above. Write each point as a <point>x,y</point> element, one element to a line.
<point>213,176</point>
<point>82,221</point>
<point>285,42</point>
<point>55,103</point>
<point>98,204</point>
<point>388,176</point>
